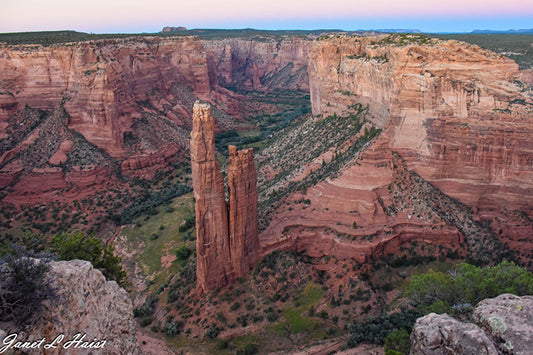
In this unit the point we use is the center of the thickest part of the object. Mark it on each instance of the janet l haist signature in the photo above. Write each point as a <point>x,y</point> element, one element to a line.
<point>78,341</point>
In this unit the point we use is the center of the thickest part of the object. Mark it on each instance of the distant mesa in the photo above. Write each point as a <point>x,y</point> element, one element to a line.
<point>170,29</point>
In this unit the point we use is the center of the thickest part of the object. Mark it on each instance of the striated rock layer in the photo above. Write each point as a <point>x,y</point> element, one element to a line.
<point>454,111</point>
<point>452,164</point>
<point>100,82</point>
<point>225,248</point>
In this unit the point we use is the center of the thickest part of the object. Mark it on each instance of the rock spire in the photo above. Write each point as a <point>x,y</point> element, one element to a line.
<point>226,242</point>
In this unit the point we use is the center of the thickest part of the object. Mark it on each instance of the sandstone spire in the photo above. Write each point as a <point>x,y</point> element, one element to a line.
<point>213,268</point>
<point>242,186</point>
<point>226,247</point>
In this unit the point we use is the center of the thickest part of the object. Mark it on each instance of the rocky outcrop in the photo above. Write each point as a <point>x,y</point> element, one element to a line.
<point>436,334</point>
<point>88,305</point>
<point>242,186</point>
<point>508,319</point>
<point>224,248</point>
<point>503,326</point>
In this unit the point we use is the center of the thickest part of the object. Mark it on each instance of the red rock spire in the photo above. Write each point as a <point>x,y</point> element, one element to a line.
<point>213,268</point>
<point>226,247</point>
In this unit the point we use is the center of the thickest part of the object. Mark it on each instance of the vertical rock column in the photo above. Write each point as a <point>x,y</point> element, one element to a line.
<point>214,268</point>
<point>243,232</point>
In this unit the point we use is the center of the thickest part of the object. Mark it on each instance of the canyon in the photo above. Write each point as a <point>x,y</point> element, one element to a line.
<point>416,149</point>
<point>455,120</point>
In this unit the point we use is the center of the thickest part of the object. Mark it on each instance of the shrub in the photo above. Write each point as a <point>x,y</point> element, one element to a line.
<point>77,246</point>
<point>375,329</point>
<point>399,341</point>
<point>466,285</point>
<point>23,286</point>
<point>183,253</point>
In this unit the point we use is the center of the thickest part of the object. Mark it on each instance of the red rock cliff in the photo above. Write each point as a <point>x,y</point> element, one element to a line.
<point>259,64</point>
<point>242,186</point>
<point>224,251</point>
<point>453,110</point>
<point>100,81</point>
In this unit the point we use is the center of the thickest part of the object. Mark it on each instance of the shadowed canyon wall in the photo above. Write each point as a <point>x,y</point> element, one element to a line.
<point>225,248</point>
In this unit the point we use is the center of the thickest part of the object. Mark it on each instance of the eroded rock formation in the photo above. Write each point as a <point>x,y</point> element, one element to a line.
<point>503,326</point>
<point>452,163</point>
<point>213,266</point>
<point>225,248</point>
<point>242,186</point>
<point>87,304</point>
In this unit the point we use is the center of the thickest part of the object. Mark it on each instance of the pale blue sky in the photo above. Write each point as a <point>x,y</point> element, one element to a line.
<point>150,16</point>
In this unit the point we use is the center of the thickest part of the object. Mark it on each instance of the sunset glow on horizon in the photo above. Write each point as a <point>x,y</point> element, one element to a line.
<point>141,16</point>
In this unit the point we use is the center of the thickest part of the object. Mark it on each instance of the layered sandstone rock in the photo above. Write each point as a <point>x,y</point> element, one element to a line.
<point>264,64</point>
<point>459,121</point>
<point>503,326</point>
<point>100,82</point>
<point>213,264</point>
<point>225,248</point>
<point>87,305</point>
<point>242,186</point>
<point>453,110</point>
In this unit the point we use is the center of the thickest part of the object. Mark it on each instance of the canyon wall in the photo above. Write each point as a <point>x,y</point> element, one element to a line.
<point>259,64</point>
<point>100,82</point>
<point>225,248</point>
<point>451,167</point>
<point>454,111</point>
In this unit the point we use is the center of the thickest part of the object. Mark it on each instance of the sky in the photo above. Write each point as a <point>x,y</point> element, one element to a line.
<point>136,16</point>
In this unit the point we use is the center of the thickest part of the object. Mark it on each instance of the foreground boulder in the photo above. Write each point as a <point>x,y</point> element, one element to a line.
<point>90,315</point>
<point>504,325</point>
<point>508,319</point>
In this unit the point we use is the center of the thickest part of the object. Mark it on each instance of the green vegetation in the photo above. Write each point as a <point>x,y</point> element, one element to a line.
<point>295,320</point>
<point>376,329</point>
<point>460,289</point>
<point>150,200</point>
<point>398,340</point>
<point>69,246</point>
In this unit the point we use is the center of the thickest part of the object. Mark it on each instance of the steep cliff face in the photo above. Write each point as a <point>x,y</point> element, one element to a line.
<point>225,248</point>
<point>450,105</point>
<point>263,64</point>
<point>213,263</point>
<point>242,186</point>
<point>99,81</point>
<point>452,163</point>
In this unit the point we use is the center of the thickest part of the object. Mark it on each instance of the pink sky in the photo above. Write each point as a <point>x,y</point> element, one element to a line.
<point>150,16</point>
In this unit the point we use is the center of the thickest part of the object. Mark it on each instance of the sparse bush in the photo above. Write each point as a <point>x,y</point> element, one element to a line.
<point>23,286</point>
